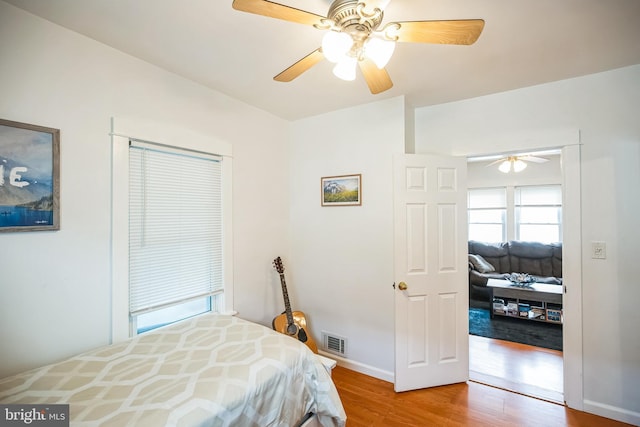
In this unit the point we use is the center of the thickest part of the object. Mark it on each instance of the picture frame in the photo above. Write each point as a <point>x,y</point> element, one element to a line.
<point>29,177</point>
<point>341,190</point>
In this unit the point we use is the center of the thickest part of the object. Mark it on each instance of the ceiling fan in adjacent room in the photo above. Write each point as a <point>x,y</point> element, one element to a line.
<point>355,37</point>
<point>516,163</point>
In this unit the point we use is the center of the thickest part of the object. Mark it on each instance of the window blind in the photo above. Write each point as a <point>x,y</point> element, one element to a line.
<point>539,213</point>
<point>487,209</point>
<point>175,226</point>
<point>487,198</point>
<point>539,195</point>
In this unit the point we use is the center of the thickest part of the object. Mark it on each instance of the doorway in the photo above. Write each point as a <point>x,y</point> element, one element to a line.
<point>572,272</point>
<point>504,364</point>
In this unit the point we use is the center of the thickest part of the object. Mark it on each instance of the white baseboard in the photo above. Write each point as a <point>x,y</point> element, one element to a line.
<point>360,367</point>
<point>613,412</point>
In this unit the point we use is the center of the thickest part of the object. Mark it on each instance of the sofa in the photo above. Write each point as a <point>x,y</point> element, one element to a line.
<point>487,261</point>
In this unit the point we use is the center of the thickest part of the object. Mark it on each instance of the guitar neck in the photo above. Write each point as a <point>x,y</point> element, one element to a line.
<point>287,305</point>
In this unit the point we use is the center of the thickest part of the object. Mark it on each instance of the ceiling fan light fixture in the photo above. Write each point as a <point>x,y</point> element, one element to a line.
<point>505,166</point>
<point>379,50</point>
<point>346,68</point>
<point>512,163</point>
<point>349,25</point>
<point>335,45</point>
<point>519,165</point>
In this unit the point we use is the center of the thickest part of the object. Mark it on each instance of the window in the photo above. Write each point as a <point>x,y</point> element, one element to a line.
<point>529,213</point>
<point>538,213</point>
<point>487,214</point>
<point>179,249</point>
<point>175,234</point>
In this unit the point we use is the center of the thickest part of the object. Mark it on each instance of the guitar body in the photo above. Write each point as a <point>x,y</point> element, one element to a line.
<point>292,323</point>
<point>298,330</point>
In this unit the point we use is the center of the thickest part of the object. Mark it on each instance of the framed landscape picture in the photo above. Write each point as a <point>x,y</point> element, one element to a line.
<point>29,177</point>
<point>344,190</point>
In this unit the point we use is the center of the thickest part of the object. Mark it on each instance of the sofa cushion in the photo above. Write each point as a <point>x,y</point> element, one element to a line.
<point>480,264</point>
<point>556,261</point>
<point>531,257</point>
<point>532,266</point>
<point>496,254</point>
<point>530,249</point>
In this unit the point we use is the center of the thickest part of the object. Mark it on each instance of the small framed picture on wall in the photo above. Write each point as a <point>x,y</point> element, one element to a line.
<point>343,190</point>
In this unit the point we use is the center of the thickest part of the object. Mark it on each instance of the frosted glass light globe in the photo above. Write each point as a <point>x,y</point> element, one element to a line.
<point>379,51</point>
<point>335,45</point>
<point>346,68</point>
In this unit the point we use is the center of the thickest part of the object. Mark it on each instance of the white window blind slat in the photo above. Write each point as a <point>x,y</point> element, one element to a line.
<point>175,226</point>
<point>213,308</point>
<point>550,195</point>
<point>479,198</point>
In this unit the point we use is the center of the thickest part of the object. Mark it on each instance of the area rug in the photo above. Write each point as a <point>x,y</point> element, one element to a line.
<point>538,334</point>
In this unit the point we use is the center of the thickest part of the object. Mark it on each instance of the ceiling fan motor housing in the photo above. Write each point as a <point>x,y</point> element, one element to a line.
<point>349,16</point>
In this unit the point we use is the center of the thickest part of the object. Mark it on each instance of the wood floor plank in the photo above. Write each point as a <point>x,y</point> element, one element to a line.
<point>372,402</point>
<point>533,371</point>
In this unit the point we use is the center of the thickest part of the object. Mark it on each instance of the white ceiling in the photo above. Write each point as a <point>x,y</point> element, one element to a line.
<point>524,43</point>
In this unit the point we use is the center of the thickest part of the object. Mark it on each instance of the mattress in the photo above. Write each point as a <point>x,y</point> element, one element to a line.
<point>210,370</point>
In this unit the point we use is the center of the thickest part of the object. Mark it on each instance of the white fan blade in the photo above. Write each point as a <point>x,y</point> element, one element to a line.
<point>533,159</point>
<point>497,161</point>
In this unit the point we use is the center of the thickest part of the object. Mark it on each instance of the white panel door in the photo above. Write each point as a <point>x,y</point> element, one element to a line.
<point>431,292</point>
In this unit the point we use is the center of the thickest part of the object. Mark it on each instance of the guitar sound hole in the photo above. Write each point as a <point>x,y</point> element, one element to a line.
<point>292,329</point>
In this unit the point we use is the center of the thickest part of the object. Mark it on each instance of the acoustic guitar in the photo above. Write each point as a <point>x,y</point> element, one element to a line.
<point>292,323</point>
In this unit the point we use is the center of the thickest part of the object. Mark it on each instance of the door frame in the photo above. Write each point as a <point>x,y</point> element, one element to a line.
<point>572,275</point>
<point>572,355</point>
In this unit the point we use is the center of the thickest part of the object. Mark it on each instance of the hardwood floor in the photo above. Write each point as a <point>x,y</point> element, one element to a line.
<point>520,368</point>
<point>372,402</point>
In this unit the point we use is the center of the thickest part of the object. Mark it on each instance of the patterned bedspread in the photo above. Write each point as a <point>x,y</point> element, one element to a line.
<point>211,370</point>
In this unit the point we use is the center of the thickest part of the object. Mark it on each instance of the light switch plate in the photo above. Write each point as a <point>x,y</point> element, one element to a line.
<point>598,250</point>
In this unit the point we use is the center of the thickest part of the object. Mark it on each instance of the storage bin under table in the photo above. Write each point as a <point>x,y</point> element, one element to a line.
<point>546,294</point>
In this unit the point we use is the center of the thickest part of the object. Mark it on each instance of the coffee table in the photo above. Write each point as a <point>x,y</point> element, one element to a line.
<point>541,293</point>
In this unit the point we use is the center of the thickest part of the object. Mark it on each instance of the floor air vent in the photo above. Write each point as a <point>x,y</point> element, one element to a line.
<point>334,343</point>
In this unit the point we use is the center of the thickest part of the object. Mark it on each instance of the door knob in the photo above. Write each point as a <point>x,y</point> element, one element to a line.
<point>402,286</point>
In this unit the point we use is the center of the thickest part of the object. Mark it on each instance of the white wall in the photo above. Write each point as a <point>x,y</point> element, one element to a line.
<point>341,259</point>
<point>604,108</point>
<point>55,287</point>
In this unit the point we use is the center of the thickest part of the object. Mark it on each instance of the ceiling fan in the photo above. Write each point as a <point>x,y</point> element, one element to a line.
<point>516,163</point>
<point>354,37</point>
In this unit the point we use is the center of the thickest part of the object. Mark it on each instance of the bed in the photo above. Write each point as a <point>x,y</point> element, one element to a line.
<point>210,370</point>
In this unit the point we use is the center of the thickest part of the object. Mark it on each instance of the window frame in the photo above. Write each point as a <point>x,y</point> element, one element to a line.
<point>122,130</point>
